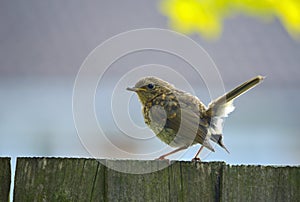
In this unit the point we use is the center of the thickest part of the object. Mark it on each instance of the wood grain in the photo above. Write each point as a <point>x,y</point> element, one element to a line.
<point>65,179</point>
<point>5,178</point>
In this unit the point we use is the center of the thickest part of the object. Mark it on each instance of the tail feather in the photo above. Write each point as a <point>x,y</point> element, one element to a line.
<point>243,88</point>
<point>223,105</point>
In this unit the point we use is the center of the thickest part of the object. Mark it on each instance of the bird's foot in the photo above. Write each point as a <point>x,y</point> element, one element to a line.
<point>162,158</point>
<point>196,159</point>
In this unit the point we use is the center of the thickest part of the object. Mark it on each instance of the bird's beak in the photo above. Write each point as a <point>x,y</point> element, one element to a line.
<point>134,89</point>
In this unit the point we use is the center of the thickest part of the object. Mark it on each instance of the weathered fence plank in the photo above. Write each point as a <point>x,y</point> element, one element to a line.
<point>195,181</point>
<point>136,187</point>
<point>54,179</point>
<point>5,178</point>
<point>58,179</point>
<point>260,183</point>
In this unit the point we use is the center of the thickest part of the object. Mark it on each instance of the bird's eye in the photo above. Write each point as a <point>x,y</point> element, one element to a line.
<point>150,86</point>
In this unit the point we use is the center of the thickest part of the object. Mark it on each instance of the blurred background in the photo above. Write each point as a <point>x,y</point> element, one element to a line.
<point>44,43</point>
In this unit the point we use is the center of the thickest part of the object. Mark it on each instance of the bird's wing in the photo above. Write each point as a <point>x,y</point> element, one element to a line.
<point>183,119</point>
<point>191,128</point>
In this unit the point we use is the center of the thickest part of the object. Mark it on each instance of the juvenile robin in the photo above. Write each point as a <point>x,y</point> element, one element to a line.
<point>180,119</point>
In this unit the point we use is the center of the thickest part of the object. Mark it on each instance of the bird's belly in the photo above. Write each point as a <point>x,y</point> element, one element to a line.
<point>170,137</point>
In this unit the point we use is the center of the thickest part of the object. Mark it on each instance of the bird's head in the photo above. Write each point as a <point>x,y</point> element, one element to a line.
<point>148,88</point>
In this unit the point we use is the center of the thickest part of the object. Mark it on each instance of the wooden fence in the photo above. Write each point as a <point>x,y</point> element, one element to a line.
<point>5,176</point>
<point>74,179</point>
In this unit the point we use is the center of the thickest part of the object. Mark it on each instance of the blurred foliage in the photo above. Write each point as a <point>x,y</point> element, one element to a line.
<point>206,16</point>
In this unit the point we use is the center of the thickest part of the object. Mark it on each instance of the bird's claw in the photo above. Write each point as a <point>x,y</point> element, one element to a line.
<point>162,158</point>
<point>196,159</point>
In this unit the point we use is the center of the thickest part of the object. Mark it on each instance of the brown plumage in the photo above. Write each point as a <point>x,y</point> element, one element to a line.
<point>180,119</point>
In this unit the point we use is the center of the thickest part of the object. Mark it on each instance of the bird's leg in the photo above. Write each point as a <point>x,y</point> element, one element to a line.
<point>172,152</point>
<point>196,156</point>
